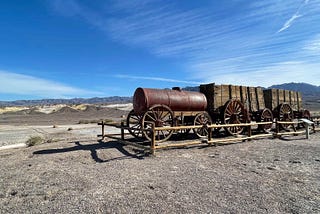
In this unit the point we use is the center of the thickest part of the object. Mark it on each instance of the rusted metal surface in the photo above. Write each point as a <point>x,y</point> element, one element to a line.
<point>176,100</point>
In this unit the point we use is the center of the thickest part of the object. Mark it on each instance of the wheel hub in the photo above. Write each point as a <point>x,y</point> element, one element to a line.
<point>159,123</point>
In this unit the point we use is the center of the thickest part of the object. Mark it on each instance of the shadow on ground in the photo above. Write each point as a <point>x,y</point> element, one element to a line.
<point>132,153</point>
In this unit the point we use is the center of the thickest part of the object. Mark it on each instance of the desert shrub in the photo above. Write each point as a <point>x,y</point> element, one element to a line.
<point>34,140</point>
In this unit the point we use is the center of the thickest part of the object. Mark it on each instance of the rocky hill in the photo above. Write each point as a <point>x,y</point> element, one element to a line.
<point>304,88</point>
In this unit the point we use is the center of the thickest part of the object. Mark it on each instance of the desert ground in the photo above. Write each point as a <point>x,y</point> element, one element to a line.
<point>74,172</point>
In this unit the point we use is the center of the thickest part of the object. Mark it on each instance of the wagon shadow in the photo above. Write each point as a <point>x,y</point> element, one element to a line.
<point>93,148</point>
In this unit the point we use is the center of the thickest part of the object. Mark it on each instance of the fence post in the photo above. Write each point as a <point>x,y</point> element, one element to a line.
<point>102,129</point>
<point>209,135</point>
<point>153,140</point>
<point>122,130</point>
<point>249,132</point>
<point>307,130</point>
<point>277,128</point>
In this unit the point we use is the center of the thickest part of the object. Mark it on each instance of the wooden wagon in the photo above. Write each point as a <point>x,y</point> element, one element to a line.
<point>231,104</point>
<point>286,105</point>
<point>219,104</point>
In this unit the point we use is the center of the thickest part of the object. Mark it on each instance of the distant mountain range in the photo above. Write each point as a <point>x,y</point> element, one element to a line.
<point>304,88</point>
<point>310,95</point>
<point>94,100</point>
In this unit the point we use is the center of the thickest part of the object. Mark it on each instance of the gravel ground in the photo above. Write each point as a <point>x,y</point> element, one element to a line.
<point>10,134</point>
<point>260,176</point>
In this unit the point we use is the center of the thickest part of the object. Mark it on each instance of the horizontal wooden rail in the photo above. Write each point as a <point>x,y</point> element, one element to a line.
<point>210,140</point>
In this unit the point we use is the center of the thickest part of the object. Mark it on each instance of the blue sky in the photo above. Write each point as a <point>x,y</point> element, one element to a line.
<point>85,48</point>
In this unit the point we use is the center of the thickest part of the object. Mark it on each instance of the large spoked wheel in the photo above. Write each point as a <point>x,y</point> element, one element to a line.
<point>265,116</point>
<point>134,124</point>
<point>285,113</point>
<point>202,119</point>
<point>306,114</point>
<point>234,113</point>
<point>160,116</point>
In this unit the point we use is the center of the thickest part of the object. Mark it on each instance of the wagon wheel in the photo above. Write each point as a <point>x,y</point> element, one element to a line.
<point>265,116</point>
<point>285,113</point>
<point>306,115</point>
<point>202,119</point>
<point>234,113</point>
<point>134,122</point>
<point>160,116</point>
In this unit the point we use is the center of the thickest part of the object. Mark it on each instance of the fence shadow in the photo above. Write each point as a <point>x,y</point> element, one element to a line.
<point>100,145</point>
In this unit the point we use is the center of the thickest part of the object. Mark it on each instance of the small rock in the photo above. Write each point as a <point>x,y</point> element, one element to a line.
<point>255,172</point>
<point>271,168</point>
<point>13,192</point>
<point>318,160</point>
<point>294,161</point>
<point>276,159</point>
<point>151,187</point>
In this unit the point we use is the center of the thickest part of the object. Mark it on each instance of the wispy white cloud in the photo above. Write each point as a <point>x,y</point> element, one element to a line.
<point>290,71</point>
<point>295,16</point>
<point>289,22</point>
<point>213,43</point>
<point>313,45</point>
<point>19,84</point>
<point>156,79</point>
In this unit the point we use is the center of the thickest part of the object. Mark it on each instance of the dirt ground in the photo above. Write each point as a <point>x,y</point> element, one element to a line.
<point>87,176</point>
<point>76,173</point>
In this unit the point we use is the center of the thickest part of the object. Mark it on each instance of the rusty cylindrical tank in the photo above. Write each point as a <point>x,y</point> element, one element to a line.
<point>176,99</point>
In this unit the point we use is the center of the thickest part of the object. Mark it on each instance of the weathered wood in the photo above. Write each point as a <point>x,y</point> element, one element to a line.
<point>275,97</point>
<point>299,102</point>
<point>218,95</point>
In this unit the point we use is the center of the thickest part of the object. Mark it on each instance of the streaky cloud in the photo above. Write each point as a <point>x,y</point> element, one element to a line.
<point>289,22</point>
<point>156,79</point>
<point>20,84</point>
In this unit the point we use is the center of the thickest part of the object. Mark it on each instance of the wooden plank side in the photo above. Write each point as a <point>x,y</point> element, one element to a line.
<point>290,99</point>
<point>217,96</point>
<point>281,96</point>
<point>260,98</point>
<point>252,99</point>
<point>299,96</point>
<point>287,96</point>
<point>275,98</point>
<point>209,91</point>
<point>225,94</point>
<point>235,92</point>
<point>268,95</point>
<point>244,96</point>
<point>294,100</point>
